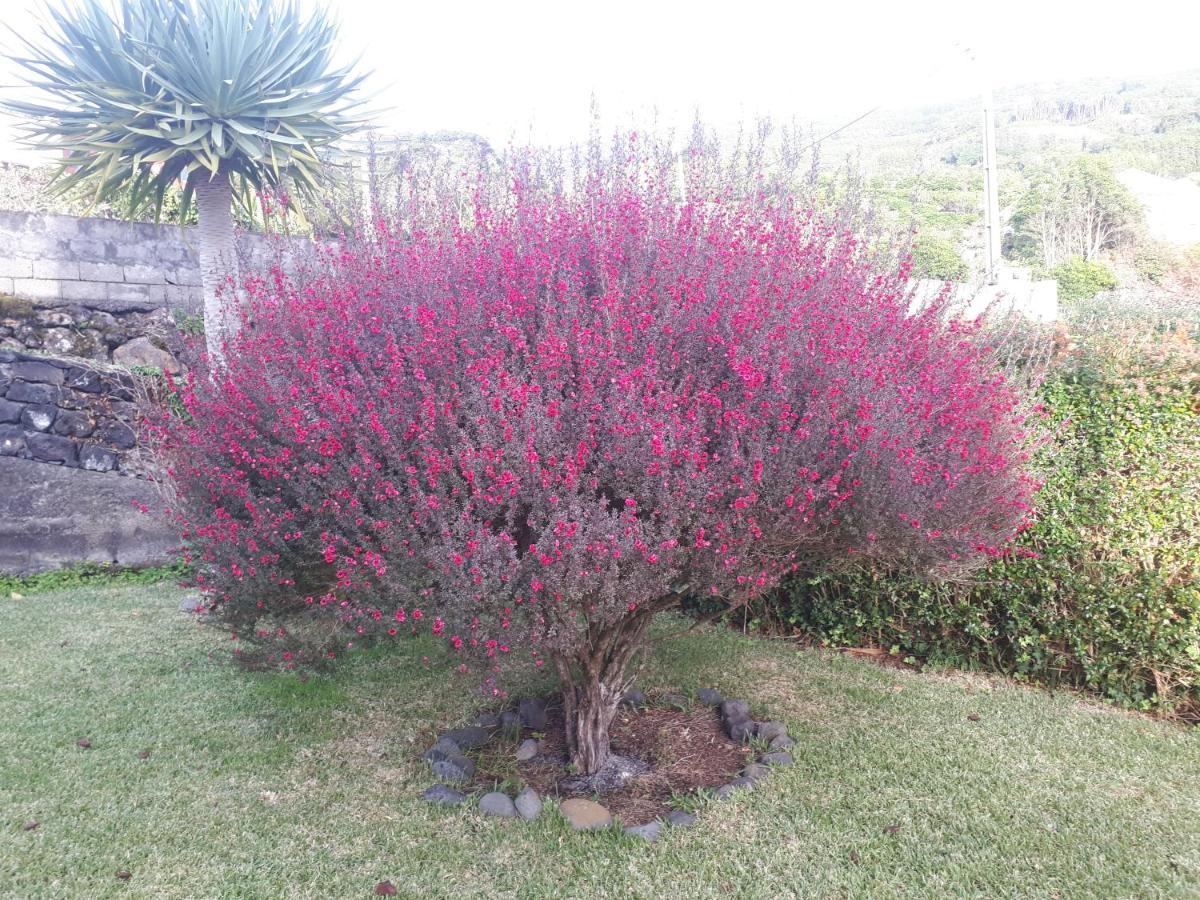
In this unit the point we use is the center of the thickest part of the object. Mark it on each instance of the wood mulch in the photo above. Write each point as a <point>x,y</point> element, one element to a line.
<point>686,750</point>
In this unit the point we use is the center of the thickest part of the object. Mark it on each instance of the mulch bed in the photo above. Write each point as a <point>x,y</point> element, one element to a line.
<point>686,750</point>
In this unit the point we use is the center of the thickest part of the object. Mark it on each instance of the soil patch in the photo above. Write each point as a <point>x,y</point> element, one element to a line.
<point>686,749</point>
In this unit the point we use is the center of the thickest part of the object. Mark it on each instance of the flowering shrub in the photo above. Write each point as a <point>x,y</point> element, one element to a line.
<point>1111,600</point>
<point>533,415</point>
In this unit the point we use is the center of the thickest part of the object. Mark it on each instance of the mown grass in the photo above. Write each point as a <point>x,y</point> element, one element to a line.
<point>262,785</point>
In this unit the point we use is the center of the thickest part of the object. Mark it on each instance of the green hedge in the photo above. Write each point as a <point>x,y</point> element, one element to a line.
<point>1112,600</point>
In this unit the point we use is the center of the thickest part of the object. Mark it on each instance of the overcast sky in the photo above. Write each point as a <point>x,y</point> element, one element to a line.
<point>521,69</point>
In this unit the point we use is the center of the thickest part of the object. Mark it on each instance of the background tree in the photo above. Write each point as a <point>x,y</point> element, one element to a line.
<point>1072,208</point>
<point>210,93</point>
<point>539,424</point>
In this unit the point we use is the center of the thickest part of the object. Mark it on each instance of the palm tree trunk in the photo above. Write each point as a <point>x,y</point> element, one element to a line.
<point>218,261</point>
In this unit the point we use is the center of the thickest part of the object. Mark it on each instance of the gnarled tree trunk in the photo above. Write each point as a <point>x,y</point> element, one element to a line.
<point>218,260</point>
<point>593,682</point>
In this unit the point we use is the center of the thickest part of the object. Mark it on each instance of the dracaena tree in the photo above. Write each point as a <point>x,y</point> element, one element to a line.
<point>536,412</point>
<point>211,94</point>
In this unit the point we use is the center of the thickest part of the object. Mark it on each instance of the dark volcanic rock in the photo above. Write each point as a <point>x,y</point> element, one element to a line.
<point>32,392</point>
<point>532,711</point>
<point>634,698</point>
<point>440,793</point>
<point>38,418</point>
<point>468,737</point>
<point>97,459</point>
<point>10,412</point>
<point>41,372</point>
<point>74,424</point>
<point>498,804</point>
<point>768,731</point>
<point>776,758</point>
<point>651,831</point>
<point>731,709</point>
<point>681,819</point>
<point>52,448</point>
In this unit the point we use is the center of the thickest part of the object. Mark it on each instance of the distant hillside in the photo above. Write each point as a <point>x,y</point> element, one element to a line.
<point>1152,125</point>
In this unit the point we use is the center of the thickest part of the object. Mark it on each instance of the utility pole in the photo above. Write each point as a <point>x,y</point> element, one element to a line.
<point>991,186</point>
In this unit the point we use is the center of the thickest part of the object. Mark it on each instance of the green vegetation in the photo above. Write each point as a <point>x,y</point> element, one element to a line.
<point>935,257</point>
<point>263,785</point>
<point>1110,601</point>
<point>89,575</point>
<point>187,99</point>
<point>1080,279</point>
<point>1073,207</point>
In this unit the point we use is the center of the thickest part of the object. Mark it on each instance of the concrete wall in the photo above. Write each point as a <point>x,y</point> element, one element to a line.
<point>104,264</point>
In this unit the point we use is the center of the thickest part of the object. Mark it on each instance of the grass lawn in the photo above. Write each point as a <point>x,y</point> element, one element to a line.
<point>260,785</point>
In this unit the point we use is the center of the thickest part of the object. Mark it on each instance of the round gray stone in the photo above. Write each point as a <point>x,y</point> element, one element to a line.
<point>732,709</point>
<point>528,804</point>
<point>776,758</point>
<point>742,729</point>
<point>680,819</point>
<point>456,769</point>
<point>768,731</point>
<point>709,697</point>
<point>468,737</point>
<point>192,603</point>
<point>510,721</point>
<point>651,831</point>
<point>498,804</point>
<point>440,793</point>
<point>489,720</point>
<point>443,749</point>
<point>528,750</point>
<point>755,771</point>
<point>634,698</point>
<point>532,711</point>
<point>727,790</point>
<point>783,742</point>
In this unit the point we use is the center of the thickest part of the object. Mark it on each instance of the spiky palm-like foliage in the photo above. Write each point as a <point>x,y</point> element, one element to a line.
<point>155,92</point>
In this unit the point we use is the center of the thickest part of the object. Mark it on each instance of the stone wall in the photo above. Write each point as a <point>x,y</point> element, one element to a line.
<point>72,286</point>
<point>82,302</point>
<point>103,264</point>
<point>71,474</point>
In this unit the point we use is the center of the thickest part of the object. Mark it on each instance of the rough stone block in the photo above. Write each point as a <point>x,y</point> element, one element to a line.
<point>38,418</point>
<point>29,392</point>
<point>16,267</point>
<point>94,271</point>
<point>97,459</point>
<point>72,423</point>
<point>123,297</point>
<point>56,516</point>
<point>43,373</point>
<point>44,246</point>
<point>189,275</point>
<point>118,434</point>
<point>144,275</point>
<point>52,448</point>
<point>36,289</point>
<point>85,380</point>
<point>10,412</point>
<point>84,291</point>
<point>184,296</point>
<point>12,443</point>
<point>59,269</point>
